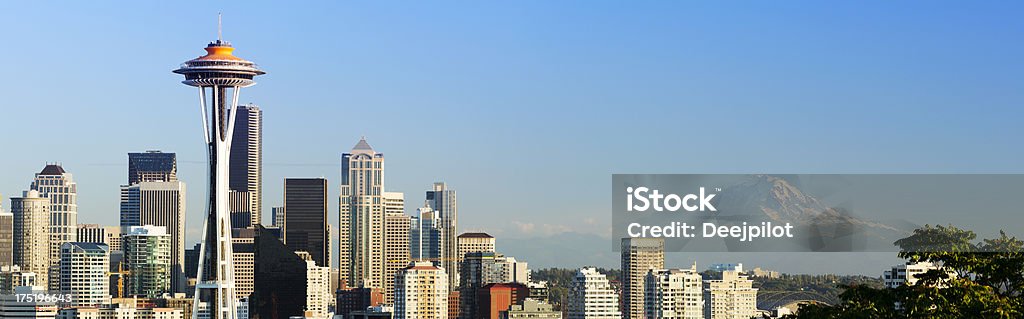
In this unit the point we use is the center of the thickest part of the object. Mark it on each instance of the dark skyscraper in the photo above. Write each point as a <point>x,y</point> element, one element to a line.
<point>305,211</point>
<point>279,280</point>
<point>245,169</point>
<point>152,166</point>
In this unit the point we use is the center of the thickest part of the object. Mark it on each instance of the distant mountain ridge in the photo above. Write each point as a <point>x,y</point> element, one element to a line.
<point>781,201</point>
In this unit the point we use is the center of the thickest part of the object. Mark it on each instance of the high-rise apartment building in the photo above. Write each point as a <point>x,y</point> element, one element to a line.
<point>152,166</point>
<point>319,296</point>
<point>591,297</point>
<point>639,255</point>
<point>93,233</point>
<point>443,201</point>
<point>732,297</point>
<point>421,292</point>
<point>474,242</point>
<point>147,256</point>
<point>6,237</point>
<point>396,248</point>
<point>243,242</point>
<point>361,214</point>
<point>159,204</point>
<point>305,206</point>
<point>32,234</point>
<point>245,167</point>
<point>674,294</point>
<point>59,186</point>
<point>83,273</point>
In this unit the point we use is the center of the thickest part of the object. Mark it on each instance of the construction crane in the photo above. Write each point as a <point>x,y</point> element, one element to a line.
<point>120,273</point>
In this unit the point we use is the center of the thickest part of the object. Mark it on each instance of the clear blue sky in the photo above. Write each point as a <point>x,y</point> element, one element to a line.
<point>524,107</point>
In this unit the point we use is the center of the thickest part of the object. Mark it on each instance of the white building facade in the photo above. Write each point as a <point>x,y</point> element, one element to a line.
<point>421,292</point>
<point>674,294</point>
<point>592,297</point>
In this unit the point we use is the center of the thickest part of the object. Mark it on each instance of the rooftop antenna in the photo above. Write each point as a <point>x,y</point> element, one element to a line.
<point>220,38</point>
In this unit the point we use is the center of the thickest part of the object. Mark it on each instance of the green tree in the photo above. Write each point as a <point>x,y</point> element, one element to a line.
<point>976,279</point>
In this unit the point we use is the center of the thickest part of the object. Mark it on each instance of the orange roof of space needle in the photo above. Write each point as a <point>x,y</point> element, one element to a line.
<point>219,51</point>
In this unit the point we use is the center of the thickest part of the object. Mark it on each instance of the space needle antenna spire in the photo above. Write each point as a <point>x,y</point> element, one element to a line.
<point>220,34</point>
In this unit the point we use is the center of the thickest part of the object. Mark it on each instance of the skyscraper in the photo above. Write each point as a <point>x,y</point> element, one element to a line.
<point>305,206</point>
<point>442,200</point>
<point>732,297</point>
<point>83,273</point>
<point>591,297</point>
<point>32,234</point>
<point>361,212</point>
<point>396,248</point>
<point>152,166</point>
<point>147,253</point>
<point>6,237</point>
<point>279,289</point>
<point>639,255</point>
<point>58,185</point>
<point>245,171</point>
<point>159,204</point>
<point>674,294</point>
<point>243,241</point>
<point>425,235</point>
<point>421,292</point>
<point>474,242</point>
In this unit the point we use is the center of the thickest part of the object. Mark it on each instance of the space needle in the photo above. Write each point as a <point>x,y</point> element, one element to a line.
<point>220,76</point>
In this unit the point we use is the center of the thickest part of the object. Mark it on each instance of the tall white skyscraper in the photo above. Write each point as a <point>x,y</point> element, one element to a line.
<point>639,255</point>
<point>245,168</point>
<point>159,204</point>
<point>732,297</point>
<point>674,294</point>
<point>83,273</point>
<point>361,212</point>
<point>421,292</point>
<point>32,234</point>
<point>396,241</point>
<point>443,201</point>
<point>58,185</point>
<point>591,296</point>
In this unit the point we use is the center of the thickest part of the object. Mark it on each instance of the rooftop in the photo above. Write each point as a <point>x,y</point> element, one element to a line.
<point>52,169</point>
<point>475,235</point>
